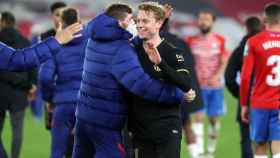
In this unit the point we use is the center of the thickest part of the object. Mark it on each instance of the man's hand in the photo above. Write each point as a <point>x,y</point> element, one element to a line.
<point>49,106</point>
<point>31,96</point>
<point>190,95</point>
<point>64,36</point>
<point>244,114</point>
<point>152,52</point>
<point>168,9</point>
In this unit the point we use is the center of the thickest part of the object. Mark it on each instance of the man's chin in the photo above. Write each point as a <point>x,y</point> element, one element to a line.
<point>142,37</point>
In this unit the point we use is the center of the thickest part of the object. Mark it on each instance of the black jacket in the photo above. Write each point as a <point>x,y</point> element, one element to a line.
<point>233,69</point>
<point>190,65</point>
<point>151,120</point>
<point>14,85</point>
<point>48,33</point>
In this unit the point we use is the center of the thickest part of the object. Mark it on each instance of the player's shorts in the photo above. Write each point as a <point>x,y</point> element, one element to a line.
<point>264,125</point>
<point>213,101</point>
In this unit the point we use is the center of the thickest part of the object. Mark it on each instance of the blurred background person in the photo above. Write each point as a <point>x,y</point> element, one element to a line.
<point>38,104</point>
<point>210,57</point>
<point>60,80</point>
<point>55,9</point>
<point>232,78</point>
<point>14,86</point>
<point>260,106</point>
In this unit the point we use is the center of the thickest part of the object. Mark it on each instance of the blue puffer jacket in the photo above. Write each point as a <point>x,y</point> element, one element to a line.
<point>60,77</point>
<point>111,64</point>
<point>24,59</point>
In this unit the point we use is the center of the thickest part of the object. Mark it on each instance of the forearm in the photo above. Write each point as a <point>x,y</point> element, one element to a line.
<point>219,73</point>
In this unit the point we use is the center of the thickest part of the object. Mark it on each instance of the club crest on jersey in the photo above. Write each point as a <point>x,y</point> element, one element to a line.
<point>246,49</point>
<point>179,57</point>
<point>157,69</point>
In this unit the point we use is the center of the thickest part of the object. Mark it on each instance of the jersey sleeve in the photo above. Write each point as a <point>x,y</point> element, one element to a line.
<point>188,40</point>
<point>246,73</point>
<point>223,50</point>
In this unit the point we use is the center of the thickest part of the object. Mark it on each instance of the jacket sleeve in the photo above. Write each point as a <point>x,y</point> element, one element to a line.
<point>47,79</point>
<point>177,74</point>
<point>197,104</point>
<point>30,57</point>
<point>128,71</point>
<point>246,73</point>
<point>12,78</point>
<point>232,69</point>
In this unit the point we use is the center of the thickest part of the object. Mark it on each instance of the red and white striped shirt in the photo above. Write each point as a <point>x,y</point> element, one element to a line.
<point>208,52</point>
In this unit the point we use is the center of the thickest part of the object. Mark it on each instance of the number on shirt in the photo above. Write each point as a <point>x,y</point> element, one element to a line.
<point>274,78</point>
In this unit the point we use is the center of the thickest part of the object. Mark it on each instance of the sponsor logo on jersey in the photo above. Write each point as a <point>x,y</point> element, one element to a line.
<point>180,57</point>
<point>157,69</point>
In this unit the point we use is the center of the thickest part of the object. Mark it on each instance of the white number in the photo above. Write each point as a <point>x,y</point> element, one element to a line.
<point>274,78</point>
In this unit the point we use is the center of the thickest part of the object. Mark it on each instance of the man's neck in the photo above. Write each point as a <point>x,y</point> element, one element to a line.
<point>206,34</point>
<point>156,40</point>
<point>273,28</point>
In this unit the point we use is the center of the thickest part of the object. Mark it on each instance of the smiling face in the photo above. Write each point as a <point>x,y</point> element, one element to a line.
<point>147,24</point>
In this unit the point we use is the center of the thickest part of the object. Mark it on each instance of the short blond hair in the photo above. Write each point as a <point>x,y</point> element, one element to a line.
<point>153,7</point>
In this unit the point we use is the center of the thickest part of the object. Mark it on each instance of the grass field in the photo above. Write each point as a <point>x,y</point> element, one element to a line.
<point>37,139</point>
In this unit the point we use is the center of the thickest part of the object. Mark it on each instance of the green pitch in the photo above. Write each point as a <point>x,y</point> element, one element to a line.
<point>36,143</point>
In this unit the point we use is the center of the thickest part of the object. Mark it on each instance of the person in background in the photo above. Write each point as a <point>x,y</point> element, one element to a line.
<point>55,10</point>
<point>233,70</point>
<point>210,57</point>
<point>31,57</point>
<point>14,86</point>
<point>38,104</point>
<point>60,79</point>
<point>261,104</point>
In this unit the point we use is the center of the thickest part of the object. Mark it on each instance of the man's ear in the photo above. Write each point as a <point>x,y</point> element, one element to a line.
<point>160,22</point>
<point>264,20</point>
<point>79,21</point>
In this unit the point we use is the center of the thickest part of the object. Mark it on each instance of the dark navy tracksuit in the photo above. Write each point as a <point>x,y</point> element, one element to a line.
<point>233,69</point>
<point>60,79</point>
<point>111,65</point>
